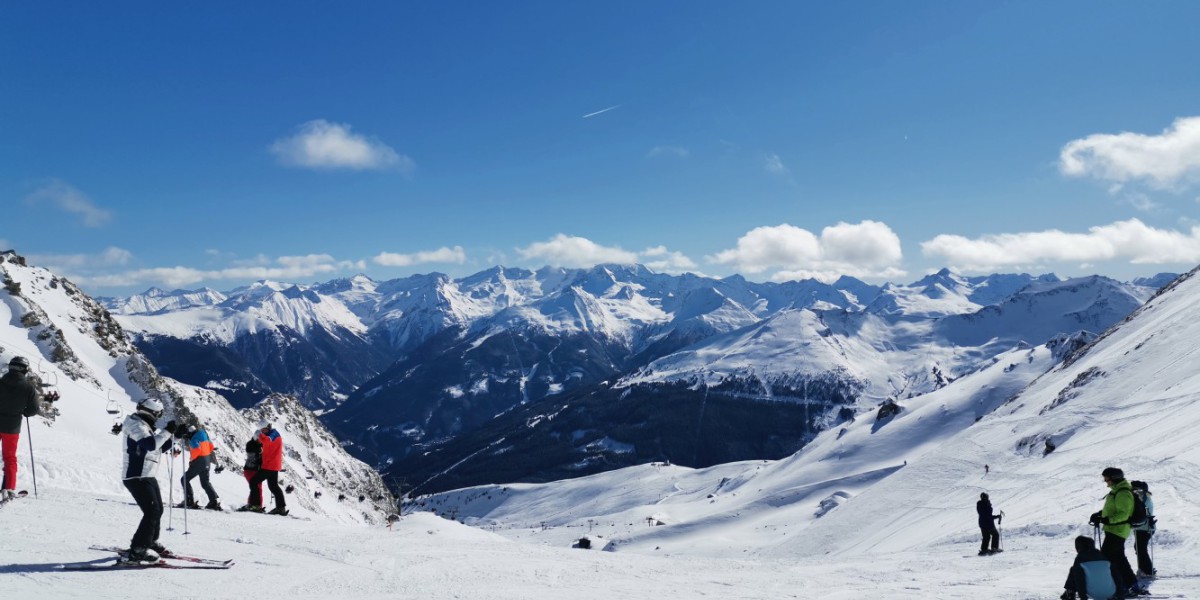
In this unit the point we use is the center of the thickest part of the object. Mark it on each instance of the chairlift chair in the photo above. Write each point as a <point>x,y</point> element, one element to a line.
<point>112,408</point>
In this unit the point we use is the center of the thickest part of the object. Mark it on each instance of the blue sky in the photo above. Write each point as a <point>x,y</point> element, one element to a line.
<point>182,146</point>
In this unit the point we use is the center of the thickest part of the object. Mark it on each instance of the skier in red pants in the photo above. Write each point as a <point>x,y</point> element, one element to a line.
<point>18,398</point>
<point>250,469</point>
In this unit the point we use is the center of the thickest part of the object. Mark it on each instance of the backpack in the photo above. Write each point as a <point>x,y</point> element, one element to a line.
<point>1148,520</point>
<point>1138,518</point>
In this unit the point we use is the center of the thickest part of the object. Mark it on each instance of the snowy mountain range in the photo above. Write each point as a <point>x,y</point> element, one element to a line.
<point>878,503</point>
<point>1033,428</point>
<point>416,374</point>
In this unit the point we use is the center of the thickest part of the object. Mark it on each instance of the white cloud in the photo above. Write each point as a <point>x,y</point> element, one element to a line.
<point>579,252</point>
<point>573,251</point>
<point>662,260</point>
<point>831,275</point>
<point>454,255</point>
<point>281,268</point>
<point>668,151</point>
<point>1141,202</point>
<point>1163,160</point>
<point>775,166</point>
<point>320,144</point>
<point>110,257</point>
<point>1130,240</point>
<point>72,200</point>
<point>866,249</point>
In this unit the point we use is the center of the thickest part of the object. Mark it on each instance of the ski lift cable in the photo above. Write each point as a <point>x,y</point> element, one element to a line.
<point>49,379</point>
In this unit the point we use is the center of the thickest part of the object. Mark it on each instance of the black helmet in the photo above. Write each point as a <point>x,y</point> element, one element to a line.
<point>18,363</point>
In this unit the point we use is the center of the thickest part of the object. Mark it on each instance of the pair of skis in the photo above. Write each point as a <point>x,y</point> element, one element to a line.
<point>195,562</point>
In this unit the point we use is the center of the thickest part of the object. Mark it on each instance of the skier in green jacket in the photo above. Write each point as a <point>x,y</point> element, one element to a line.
<point>1118,508</point>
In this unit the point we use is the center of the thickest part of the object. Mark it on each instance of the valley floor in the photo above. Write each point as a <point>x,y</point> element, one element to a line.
<point>431,558</point>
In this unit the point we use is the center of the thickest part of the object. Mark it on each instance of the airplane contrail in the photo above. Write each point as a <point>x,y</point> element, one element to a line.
<point>589,115</point>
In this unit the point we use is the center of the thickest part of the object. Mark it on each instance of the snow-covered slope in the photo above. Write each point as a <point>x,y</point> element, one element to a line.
<point>75,345</point>
<point>895,355</point>
<point>893,486</point>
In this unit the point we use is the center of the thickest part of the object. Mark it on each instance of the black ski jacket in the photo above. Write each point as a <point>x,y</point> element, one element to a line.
<point>984,508</point>
<point>18,399</point>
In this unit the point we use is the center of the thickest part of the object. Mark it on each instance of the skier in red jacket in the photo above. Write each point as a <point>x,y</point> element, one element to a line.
<point>272,464</point>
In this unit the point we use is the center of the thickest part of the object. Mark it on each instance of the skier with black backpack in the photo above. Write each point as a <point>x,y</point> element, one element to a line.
<point>1120,508</point>
<point>1144,530</point>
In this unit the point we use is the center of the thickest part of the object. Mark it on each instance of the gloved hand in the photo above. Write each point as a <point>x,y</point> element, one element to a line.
<point>999,518</point>
<point>171,426</point>
<point>182,432</point>
<point>1095,519</point>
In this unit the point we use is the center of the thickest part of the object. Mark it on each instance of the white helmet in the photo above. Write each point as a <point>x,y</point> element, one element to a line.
<point>264,424</point>
<point>151,406</point>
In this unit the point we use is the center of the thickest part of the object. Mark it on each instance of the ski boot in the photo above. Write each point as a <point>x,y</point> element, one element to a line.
<point>140,555</point>
<point>213,505</point>
<point>278,510</point>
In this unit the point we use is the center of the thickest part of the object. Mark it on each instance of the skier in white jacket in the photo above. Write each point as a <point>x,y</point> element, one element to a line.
<point>144,445</point>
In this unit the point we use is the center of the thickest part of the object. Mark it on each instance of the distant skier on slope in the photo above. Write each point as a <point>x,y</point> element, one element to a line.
<point>272,464</point>
<point>1091,576</point>
<point>987,526</point>
<point>200,459</point>
<point>143,448</point>
<point>1115,516</point>
<point>18,398</point>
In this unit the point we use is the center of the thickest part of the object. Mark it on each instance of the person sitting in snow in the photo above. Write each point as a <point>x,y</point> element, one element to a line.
<point>987,526</point>
<point>144,445</point>
<point>200,459</point>
<point>1091,575</point>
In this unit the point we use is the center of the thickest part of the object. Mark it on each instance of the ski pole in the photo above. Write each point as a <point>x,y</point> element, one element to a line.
<point>1000,531</point>
<point>171,495</point>
<point>182,461</point>
<point>32,463</point>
